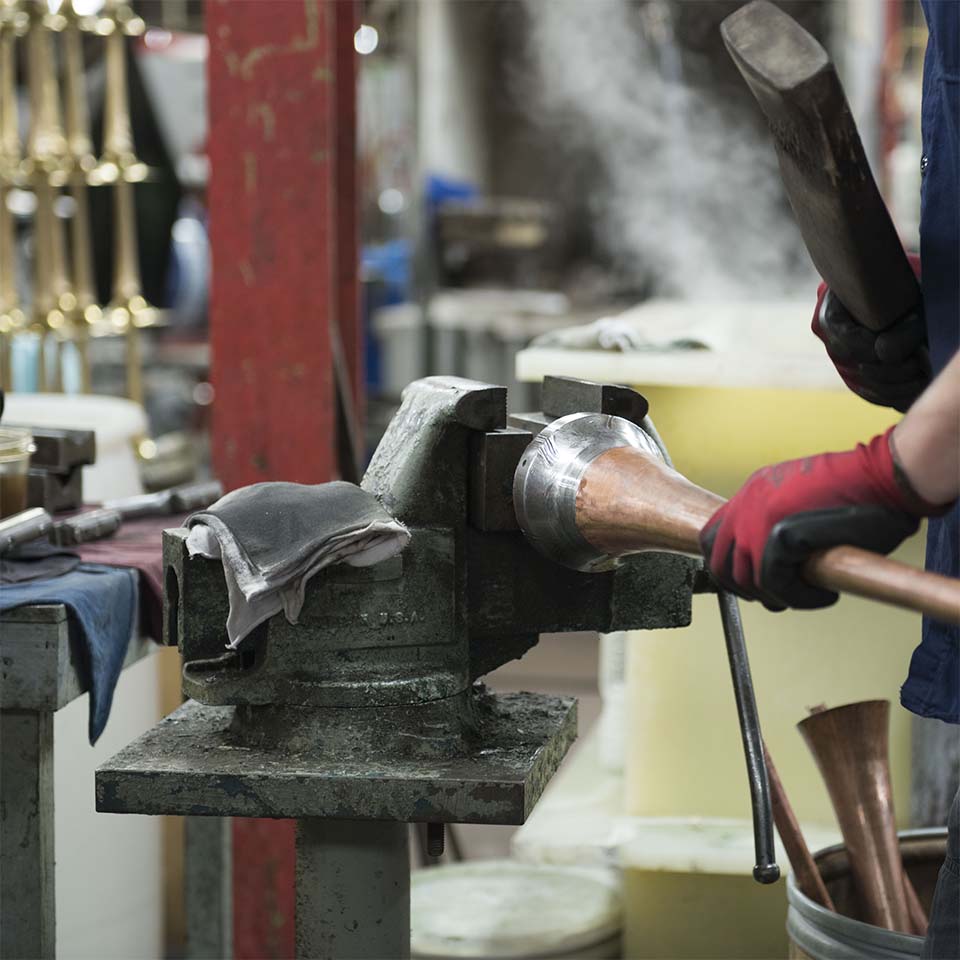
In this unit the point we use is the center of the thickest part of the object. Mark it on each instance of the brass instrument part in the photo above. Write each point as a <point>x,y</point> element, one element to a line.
<point>77,114</point>
<point>128,310</point>
<point>13,24</point>
<point>61,290</point>
<point>12,318</point>
<point>86,315</point>
<point>119,160</point>
<point>850,745</point>
<point>45,314</point>
<point>47,154</point>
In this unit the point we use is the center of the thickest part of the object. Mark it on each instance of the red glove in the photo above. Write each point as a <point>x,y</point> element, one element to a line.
<point>890,368</point>
<point>757,543</point>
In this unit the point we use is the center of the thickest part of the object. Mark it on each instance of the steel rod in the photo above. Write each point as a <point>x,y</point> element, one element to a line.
<point>766,869</point>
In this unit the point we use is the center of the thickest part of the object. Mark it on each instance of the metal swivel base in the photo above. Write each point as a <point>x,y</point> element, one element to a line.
<point>353,884</point>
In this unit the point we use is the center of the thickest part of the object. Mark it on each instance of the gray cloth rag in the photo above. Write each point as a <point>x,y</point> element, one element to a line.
<point>273,537</point>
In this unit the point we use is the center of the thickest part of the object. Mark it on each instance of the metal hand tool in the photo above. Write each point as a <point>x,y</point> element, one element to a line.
<point>180,499</point>
<point>104,522</point>
<point>23,527</point>
<point>35,523</point>
<point>842,217</point>
<point>97,524</point>
<point>766,869</point>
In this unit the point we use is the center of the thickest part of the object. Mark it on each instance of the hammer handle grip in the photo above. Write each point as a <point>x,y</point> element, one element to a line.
<point>630,502</point>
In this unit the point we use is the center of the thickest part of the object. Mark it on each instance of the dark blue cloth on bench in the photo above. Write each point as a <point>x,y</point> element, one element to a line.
<point>102,603</point>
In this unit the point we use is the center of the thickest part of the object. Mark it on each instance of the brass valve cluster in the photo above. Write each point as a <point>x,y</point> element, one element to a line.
<point>57,163</point>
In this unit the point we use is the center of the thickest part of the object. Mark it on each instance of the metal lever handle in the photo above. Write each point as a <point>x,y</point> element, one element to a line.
<point>766,869</point>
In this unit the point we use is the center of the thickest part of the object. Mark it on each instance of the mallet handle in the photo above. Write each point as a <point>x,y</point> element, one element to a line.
<point>629,502</point>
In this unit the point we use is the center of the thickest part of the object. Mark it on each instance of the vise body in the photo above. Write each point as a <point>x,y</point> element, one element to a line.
<point>368,708</point>
<point>467,595</point>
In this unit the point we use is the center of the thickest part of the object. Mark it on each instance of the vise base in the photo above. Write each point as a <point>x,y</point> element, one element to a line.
<point>195,763</point>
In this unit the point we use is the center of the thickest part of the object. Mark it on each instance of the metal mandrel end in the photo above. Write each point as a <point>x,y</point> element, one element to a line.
<point>547,481</point>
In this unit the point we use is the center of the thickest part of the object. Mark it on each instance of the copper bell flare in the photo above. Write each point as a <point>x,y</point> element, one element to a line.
<point>851,748</point>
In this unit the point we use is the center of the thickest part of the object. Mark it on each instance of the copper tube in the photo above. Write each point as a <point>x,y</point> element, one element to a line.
<point>629,501</point>
<point>850,747</point>
<point>918,916</point>
<point>804,867</point>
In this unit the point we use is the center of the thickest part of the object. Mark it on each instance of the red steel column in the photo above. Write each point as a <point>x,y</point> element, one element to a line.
<point>283,229</point>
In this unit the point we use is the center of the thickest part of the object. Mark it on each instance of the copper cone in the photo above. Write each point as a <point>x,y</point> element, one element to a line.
<point>851,748</point>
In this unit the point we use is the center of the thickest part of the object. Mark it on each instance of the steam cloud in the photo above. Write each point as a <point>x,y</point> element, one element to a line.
<point>692,202</point>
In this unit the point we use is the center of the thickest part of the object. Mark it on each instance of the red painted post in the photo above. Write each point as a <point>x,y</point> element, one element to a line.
<point>347,196</point>
<point>273,156</point>
<point>283,226</point>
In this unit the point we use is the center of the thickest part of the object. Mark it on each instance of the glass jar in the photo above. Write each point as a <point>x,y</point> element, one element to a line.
<point>16,445</point>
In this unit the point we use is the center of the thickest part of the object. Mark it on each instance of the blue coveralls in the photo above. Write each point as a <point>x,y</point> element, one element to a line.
<point>932,688</point>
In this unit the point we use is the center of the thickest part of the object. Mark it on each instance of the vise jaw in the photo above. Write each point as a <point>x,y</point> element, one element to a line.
<point>467,595</point>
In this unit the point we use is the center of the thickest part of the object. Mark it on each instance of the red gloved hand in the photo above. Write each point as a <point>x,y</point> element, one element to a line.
<point>757,543</point>
<point>890,368</point>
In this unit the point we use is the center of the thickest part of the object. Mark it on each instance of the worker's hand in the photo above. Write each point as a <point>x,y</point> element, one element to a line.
<point>757,543</point>
<point>891,368</point>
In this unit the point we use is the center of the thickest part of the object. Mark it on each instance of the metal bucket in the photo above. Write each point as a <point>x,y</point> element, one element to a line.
<point>819,934</point>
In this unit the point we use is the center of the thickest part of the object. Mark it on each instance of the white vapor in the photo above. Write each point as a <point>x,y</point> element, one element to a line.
<point>691,204</point>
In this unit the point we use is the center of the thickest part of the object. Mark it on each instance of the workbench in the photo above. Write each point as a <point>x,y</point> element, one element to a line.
<point>40,673</point>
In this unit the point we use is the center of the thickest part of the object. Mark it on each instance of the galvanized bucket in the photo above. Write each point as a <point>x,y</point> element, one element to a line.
<point>819,934</point>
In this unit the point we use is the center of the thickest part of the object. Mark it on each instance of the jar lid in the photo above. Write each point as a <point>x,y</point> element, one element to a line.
<point>504,908</point>
<point>15,443</point>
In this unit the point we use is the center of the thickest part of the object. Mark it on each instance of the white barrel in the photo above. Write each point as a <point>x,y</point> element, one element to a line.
<point>506,909</point>
<point>118,424</point>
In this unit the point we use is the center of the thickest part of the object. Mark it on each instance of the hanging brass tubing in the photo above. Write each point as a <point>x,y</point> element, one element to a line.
<point>128,310</point>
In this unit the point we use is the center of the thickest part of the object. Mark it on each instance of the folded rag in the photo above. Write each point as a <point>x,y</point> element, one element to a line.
<point>102,602</point>
<point>273,537</point>
<point>621,333</point>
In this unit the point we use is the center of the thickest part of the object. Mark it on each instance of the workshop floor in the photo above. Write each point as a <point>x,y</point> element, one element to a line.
<point>564,663</point>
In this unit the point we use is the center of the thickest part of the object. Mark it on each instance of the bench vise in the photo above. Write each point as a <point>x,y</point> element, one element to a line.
<point>366,715</point>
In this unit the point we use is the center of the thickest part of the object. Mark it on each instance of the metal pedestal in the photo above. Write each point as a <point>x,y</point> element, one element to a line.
<point>352,803</point>
<point>353,889</point>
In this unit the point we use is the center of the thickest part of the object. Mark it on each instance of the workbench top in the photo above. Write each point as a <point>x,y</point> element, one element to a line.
<point>40,668</point>
<point>761,344</point>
